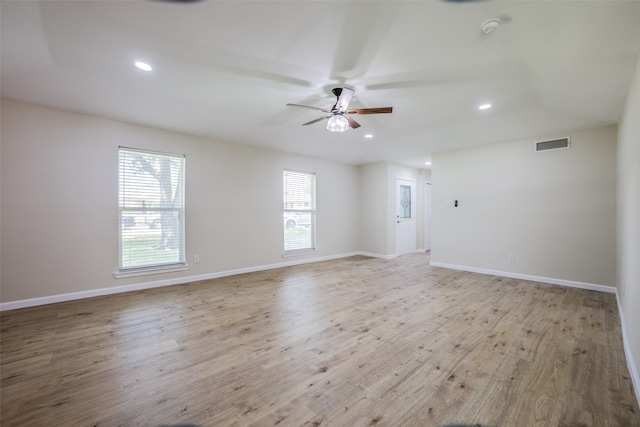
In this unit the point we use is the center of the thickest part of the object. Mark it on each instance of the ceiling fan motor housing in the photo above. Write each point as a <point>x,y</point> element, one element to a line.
<point>339,116</point>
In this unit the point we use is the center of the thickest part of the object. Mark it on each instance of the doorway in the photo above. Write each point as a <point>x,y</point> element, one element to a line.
<point>405,216</point>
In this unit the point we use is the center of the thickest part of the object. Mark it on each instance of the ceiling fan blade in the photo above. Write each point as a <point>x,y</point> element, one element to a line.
<point>306,106</point>
<point>352,123</point>
<point>378,110</point>
<point>344,98</point>
<point>317,120</point>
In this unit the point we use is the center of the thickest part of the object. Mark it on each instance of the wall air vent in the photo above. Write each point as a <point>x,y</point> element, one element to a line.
<point>554,144</point>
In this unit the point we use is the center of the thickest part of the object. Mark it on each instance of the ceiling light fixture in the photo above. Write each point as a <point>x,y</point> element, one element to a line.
<point>368,136</point>
<point>338,123</point>
<point>143,66</point>
<point>484,106</point>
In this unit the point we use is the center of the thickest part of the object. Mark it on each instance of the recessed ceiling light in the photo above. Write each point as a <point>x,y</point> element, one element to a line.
<point>143,66</point>
<point>368,135</point>
<point>427,163</point>
<point>490,26</point>
<point>484,106</point>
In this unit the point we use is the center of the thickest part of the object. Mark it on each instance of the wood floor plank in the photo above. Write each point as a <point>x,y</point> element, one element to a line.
<point>349,342</point>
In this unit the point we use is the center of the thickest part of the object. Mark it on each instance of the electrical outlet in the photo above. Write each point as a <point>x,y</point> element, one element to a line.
<point>196,259</point>
<point>511,258</point>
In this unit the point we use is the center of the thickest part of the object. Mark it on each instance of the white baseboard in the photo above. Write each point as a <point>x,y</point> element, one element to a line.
<point>633,369</point>
<point>32,302</point>
<point>550,280</point>
<point>374,255</point>
<point>389,256</point>
<point>13,305</point>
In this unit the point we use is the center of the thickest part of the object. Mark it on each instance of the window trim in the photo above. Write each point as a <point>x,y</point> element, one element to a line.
<point>313,212</point>
<point>123,274</point>
<point>153,268</point>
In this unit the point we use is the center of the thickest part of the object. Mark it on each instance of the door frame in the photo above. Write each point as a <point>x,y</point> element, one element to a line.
<point>427,221</point>
<point>413,218</point>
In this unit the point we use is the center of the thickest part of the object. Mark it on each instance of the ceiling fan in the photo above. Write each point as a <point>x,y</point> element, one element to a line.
<point>339,115</point>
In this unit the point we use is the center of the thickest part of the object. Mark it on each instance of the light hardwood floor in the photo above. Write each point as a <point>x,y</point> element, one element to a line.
<point>350,342</point>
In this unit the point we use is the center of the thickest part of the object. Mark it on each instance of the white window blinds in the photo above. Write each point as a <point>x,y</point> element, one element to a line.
<point>299,221</point>
<point>151,209</point>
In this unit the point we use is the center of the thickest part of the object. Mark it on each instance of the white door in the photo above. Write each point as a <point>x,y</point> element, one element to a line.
<point>427,216</point>
<point>405,216</point>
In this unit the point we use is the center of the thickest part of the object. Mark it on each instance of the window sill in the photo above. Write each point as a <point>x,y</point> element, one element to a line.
<point>299,252</point>
<point>149,271</point>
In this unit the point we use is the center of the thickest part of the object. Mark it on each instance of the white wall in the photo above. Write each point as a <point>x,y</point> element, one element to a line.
<point>555,211</point>
<point>59,202</point>
<point>373,202</point>
<point>628,215</point>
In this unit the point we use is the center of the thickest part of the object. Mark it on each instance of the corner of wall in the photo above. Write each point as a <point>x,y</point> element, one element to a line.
<point>628,224</point>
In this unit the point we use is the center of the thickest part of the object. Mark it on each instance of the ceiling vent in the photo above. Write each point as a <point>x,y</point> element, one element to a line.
<point>553,144</point>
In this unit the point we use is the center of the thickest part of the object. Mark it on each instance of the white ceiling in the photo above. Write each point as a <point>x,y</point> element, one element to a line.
<point>226,69</point>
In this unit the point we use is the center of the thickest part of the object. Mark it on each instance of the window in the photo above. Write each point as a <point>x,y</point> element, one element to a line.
<point>151,210</point>
<point>299,211</point>
<point>405,202</point>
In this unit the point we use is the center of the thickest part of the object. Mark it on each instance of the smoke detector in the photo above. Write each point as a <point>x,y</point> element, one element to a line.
<point>490,25</point>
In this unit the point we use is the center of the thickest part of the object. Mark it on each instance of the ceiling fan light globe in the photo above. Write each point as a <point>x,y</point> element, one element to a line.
<point>337,123</point>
